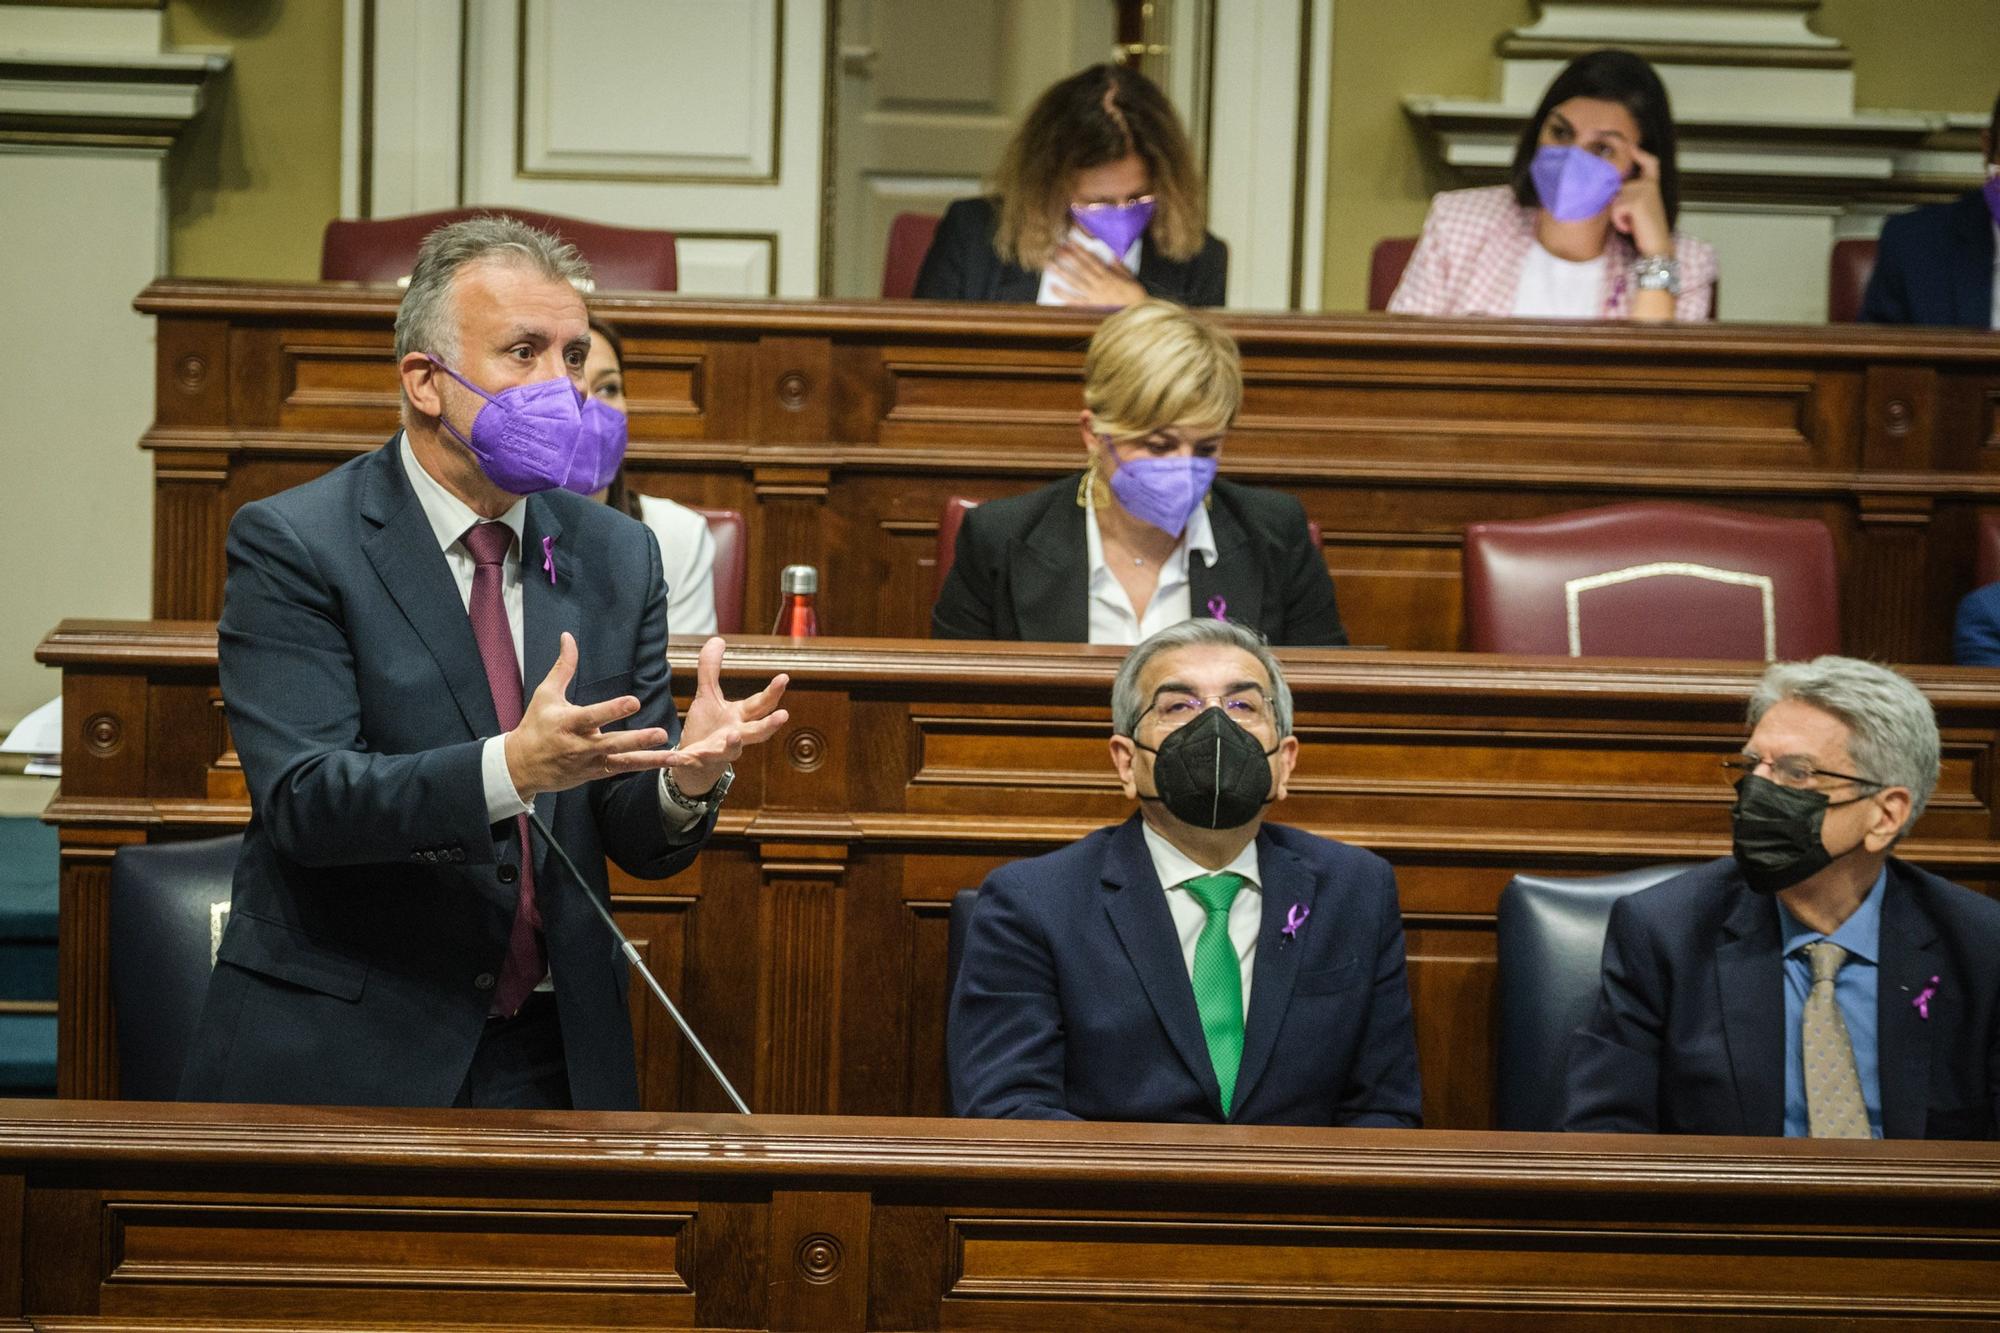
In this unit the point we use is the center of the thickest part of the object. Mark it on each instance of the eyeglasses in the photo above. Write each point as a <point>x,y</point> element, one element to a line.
<point>1792,770</point>
<point>1106,204</point>
<point>1246,708</point>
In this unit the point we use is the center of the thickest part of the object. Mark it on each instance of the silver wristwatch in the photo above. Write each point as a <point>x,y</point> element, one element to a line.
<point>699,805</point>
<point>1658,273</point>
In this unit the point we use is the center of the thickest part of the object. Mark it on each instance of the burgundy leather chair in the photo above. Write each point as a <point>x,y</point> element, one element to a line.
<point>1385,268</point>
<point>624,259</point>
<point>1986,566</point>
<point>731,536</point>
<point>909,241</point>
<point>1848,269</point>
<point>1653,580</point>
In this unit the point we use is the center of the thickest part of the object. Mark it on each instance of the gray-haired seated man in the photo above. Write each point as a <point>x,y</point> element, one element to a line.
<point>1810,984</point>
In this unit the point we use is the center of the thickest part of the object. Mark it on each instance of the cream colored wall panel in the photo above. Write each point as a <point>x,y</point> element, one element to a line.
<point>1255,124</point>
<point>726,265</point>
<point>415,133</point>
<point>1773,263</point>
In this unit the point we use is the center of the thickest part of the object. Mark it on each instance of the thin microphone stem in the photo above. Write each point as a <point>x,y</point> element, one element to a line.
<point>632,955</point>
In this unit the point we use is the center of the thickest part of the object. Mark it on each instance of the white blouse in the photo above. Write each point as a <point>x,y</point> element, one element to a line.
<point>687,552</point>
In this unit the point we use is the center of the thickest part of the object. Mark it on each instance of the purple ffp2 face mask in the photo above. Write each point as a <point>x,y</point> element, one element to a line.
<point>600,448</point>
<point>1117,225</point>
<point>1164,492</point>
<point>1572,184</point>
<point>524,438</point>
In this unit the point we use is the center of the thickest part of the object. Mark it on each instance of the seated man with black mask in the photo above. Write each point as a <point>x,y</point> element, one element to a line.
<point>1193,963</point>
<point>1811,984</point>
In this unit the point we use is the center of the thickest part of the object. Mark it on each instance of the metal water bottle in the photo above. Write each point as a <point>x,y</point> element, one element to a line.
<point>798,589</point>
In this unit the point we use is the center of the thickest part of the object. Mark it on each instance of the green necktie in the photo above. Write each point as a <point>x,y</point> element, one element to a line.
<point>1218,979</point>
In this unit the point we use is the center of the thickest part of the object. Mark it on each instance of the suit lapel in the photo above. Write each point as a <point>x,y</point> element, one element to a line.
<point>548,607</point>
<point>1137,906</point>
<point>1288,883</point>
<point>1750,981</point>
<point>404,551</point>
<point>1910,962</point>
<point>1235,578</point>
<point>1050,586</point>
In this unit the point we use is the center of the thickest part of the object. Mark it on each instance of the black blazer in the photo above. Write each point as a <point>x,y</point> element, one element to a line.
<point>1934,265</point>
<point>961,265</point>
<point>1021,570</point>
<point>1688,1035</point>
<point>373,900</point>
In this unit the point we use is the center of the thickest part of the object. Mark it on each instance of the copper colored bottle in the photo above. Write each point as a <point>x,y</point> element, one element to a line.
<point>798,589</point>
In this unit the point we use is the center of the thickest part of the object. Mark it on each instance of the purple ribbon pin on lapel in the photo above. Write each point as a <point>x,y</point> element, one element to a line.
<point>1218,608</point>
<point>1923,1000</point>
<point>549,558</point>
<point>1293,920</point>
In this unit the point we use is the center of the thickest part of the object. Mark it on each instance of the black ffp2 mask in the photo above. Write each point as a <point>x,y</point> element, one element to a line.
<point>1777,839</point>
<point>1211,773</point>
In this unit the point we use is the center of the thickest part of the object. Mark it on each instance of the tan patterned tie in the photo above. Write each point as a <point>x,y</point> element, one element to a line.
<point>1834,1107</point>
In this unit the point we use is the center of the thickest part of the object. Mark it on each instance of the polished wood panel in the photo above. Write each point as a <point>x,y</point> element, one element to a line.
<point>808,941</point>
<point>841,429</point>
<point>183,1217</point>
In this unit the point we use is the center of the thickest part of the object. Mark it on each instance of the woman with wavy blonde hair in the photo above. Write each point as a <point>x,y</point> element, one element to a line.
<point>1098,202</point>
<point>1146,535</point>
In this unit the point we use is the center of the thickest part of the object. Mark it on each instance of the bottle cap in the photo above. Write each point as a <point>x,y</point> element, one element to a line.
<point>797,579</point>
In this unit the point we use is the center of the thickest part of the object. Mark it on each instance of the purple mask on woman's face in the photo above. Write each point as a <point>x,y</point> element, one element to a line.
<point>1993,192</point>
<point>525,437</point>
<point>1572,184</point>
<point>1117,225</point>
<point>1164,492</point>
<point>600,448</point>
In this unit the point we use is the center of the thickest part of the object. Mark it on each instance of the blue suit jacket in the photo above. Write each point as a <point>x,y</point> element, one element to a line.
<point>1975,638</point>
<point>373,901</point>
<point>1073,999</point>
<point>1934,265</point>
<point>1688,1035</point>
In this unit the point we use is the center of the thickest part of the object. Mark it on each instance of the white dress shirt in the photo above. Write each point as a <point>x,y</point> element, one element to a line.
<point>1112,619</point>
<point>687,555</point>
<point>1553,288</point>
<point>1246,914</point>
<point>1051,292</point>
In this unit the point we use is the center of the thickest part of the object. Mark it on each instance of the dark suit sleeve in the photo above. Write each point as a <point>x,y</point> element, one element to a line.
<point>1383,1089</point>
<point>1209,282</point>
<point>952,261</point>
<point>1887,300</point>
<point>1612,1084</point>
<point>1975,639</point>
<point>288,676</point>
<point>964,607</point>
<point>1005,1038</point>
<point>1312,616</point>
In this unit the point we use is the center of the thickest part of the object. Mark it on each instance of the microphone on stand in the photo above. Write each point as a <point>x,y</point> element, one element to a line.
<point>632,956</point>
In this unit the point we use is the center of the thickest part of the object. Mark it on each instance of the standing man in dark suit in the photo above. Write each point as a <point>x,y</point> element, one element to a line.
<point>1193,963</point>
<point>1812,984</point>
<point>396,937</point>
<point>1935,264</point>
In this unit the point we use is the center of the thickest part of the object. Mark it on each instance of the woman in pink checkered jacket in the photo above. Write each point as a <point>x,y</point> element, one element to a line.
<point>1586,228</point>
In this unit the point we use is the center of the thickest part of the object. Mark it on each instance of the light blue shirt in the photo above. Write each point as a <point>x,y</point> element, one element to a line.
<point>1855,991</point>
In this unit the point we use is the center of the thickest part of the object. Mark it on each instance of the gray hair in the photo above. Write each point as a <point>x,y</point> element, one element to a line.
<point>1892,729</point>
<point>1127,706</point>
<point>427,320</point>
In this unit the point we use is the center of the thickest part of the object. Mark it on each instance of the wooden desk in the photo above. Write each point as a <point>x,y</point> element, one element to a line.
<point>136,1217</point>
<point>840,429</point>
<point>808,941</point>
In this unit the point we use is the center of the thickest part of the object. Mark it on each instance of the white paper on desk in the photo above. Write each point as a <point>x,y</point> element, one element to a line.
<point>40,735</point>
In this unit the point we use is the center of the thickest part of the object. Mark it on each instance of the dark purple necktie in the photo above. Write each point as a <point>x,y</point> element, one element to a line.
<point>527,959</point>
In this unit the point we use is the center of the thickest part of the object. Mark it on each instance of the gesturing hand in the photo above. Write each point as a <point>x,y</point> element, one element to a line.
<point>1640,211</point>
<point>1085,279</point>
<point>715,730</point>
<point>559,745</point>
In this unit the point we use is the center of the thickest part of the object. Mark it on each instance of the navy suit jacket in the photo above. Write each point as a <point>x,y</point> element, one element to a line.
<point>962,265</point>
<point>1934,265</point>
<point>1688,1035</point>
<point>1021,570</point>
<point>372,904</point>
<point>1975,638</point>
<point>1073,999</point>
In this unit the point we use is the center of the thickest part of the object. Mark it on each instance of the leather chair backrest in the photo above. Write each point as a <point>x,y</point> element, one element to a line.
<point>1987,561</point>
<point>731,536</point>
<point>168,903</point>
<point>909,241</point>
<point>1551,958</point>
<point>622,259</point>
<point>1385,268</point>
<point>955,510</point>
<point>1653,580</point>
<point>1848,268</point>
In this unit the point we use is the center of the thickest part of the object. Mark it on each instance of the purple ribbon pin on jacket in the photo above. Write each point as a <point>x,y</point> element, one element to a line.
<point>1218,608</point>
<point>1293,920</point>
<point>549,558</point>
<point>1923,1000</point>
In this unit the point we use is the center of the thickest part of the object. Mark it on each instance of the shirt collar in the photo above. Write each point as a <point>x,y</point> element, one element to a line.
<point>450,517</point>
<point>1199,535</point>
<point>1175,867</point>
<point>1860,934</point>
